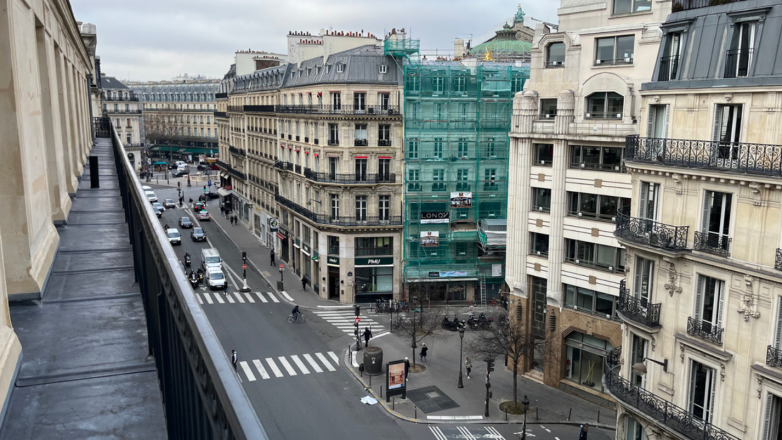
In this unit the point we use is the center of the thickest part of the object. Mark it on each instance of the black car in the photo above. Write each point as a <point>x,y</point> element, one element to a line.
<point>212,195</point>
<point>197,234</point>
<point>201,167</point>
<point>185,222</point>
<point>158,212</point>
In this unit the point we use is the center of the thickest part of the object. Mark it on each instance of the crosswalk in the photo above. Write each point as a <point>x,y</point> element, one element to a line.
<point>282,366</point>
<point>216,298</point>
<point>464,432</point>
<point>344,321</point>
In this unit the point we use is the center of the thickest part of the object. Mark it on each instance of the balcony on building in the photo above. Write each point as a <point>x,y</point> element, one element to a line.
<point>639,311</point>
<point>350,179</point>
<point>341,109</point>
<point>345,221</point>
<point>650,233</point>
<point>704,330</point>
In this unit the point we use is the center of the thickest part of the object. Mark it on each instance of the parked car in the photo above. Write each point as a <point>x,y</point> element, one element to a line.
<point>151,196</point>
<point>197,234</point>
<point>168,204</point>
<point>185,222</point>
<point>146,188</point>
<point>201,167</point>
<point>173,236</point>
<point>203,215</point>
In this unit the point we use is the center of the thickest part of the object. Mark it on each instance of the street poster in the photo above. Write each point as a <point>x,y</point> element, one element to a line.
<point>461,200</point>
<point>396,376</point>
<point>430,238</point>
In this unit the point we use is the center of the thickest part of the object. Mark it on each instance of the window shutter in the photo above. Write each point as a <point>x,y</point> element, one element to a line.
<point>767,416</point>
<point>720,302</point>
<point>707,199</point>
<point>717,123</point>
<point>650,124</point>
<point>699,297</point>
<point>665,122</point>
<point>778,335</point>
<point>644,200</point>
<point>638,284</point>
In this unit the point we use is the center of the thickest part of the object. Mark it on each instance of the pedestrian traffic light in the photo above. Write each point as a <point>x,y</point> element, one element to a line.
<point>490,365</point>
<point>244,256</point>
<point>204,189</point>
<point>358,312</point>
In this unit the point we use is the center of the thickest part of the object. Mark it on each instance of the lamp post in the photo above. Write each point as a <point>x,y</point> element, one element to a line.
<point>525,402</point>
<point>461,343</point>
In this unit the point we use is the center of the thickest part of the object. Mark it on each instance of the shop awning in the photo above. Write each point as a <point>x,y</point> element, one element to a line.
<point>223,192</point>
<point>160,163</point>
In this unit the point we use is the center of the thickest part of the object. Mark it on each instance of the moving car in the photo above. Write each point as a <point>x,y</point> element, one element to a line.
<point>203,215</point>
<point>201,167</point>
<point>185,222</point>
<point>173,236</point>
<point>146,188</point>
<point>197,234</point>
<point>212,195</point>
<point>210,258</point>
<point>151,196</point>
<point>158,206</point>
<point>215,278</point>
<point>158,212</point>
<point>168,203</point>
<point>199,206</point>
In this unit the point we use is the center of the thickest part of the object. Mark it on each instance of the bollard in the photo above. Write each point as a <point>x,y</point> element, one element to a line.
<point>536,413</point>
<point>568,414</point>
<point>393,406</point>
<point>506,414</point>
<point>416,412</point>
<point>381,392</point>
<point>598,416</point>
<point>370,381</point>
<point>94,172</point>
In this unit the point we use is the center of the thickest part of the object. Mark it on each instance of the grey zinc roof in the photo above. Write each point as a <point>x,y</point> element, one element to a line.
<point>264,79</point>
<point>706,36</point>
<point>109,82</point>
<point>176,92</point>
<point>360,65</point>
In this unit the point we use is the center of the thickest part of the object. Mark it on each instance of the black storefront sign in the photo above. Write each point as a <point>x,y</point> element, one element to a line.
<point>434,274</point>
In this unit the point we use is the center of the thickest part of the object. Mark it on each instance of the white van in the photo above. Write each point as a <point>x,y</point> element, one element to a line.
<point>181,170</point>
<point>215,278</point>
<point>210,258</point>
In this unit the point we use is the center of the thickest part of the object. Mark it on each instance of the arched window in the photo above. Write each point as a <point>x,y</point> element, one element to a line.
<point>555,55</point>
<point>605,105</point>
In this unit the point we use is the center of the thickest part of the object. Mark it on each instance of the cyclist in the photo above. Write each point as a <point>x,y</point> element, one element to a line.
<point>165,228</point>
<point>295,312</point>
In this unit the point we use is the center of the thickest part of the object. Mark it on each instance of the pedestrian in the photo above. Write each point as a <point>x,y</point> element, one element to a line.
<point>407,368</point>
<point>222,210</point>
<point>367,336</point>
<point>271,256</point>
<point>304,284</point>
<point>584,431</point>
<point>424,349</point>
<point>234,360</point>
<point>225,292</point>
<point>468,366</point>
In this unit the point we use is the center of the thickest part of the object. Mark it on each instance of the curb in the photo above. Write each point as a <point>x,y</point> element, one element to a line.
<point>392,413</point>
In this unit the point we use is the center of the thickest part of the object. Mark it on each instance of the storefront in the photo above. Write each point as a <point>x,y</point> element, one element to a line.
<point>282,235</point>
<point>585,359</point>
<point>306,262</point>
<point>374,278</point>
<point>333,276</point>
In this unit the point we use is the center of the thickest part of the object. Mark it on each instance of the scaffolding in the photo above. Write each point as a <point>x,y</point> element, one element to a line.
<point>457,120</point>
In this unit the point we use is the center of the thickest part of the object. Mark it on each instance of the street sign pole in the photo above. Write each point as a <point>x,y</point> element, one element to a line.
<point>244,272</point>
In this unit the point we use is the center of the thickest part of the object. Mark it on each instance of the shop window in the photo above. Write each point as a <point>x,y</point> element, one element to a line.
<point>585,359</point>
<point>374,280</point>
<point>544,154</point>
<point>371,246</point>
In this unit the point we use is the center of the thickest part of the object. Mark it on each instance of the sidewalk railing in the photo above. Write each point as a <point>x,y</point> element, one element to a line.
<point>202,396</point>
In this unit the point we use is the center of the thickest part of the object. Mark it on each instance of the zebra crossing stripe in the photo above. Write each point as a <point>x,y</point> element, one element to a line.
<point>261,297</point>
<point>230,299</point>
<point>249,298</point>
<point>274,368</point>
<point>261,370</point>
<point>208,298</point>
<point>287,365</point>
<point>313,364</point>
<point>274,298</point>
<point>325,361</point>
<point>334,357</point>
<point>219,299</point>
<point>239,297</point>
<point>247,371</point>
<point>198,297</point>
<point>288,297</point>
<point>300,364</point>
<point>438,434</point>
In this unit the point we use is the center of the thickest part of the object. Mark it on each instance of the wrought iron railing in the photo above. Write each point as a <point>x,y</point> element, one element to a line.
<point>774,357</point>
<point>656,408</point>
<point>712,242</point>
<point>202,397</point>
<point>765,159</point>
<point>230,169</point>
<point>259,108</point>
<point>649,232</point>
<point>339,220</point>
<point>704,330</point>
<point>120,98</point>
<point>737,62</point>
<point>384,142</point>
<point>638,309</point>
<point>778,259</point>
<point>669,68</point>
<point>365,179</point>
<point>287,166</point>
<point>221,95</point>
<point>383,110</point>
<point>237,151</point>
<point>122,111</point>
<point>614,61</point>
<point>221,115</point>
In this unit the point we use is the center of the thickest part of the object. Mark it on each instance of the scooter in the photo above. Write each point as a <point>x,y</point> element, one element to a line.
<point>483,322</point>
<point>194,280</point>
<point>187,260</point>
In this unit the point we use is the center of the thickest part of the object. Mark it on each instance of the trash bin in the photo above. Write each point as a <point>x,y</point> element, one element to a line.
<point>373,361</point>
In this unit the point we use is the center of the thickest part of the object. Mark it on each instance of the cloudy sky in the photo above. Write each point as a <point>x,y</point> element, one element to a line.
<point>160,39</point>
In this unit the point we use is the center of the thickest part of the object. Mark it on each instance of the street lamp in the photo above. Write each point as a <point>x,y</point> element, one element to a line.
<point>525,402</point>
<point>641,368</point>
<point>461,343</point>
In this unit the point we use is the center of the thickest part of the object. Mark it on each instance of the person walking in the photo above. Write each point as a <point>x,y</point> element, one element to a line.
<point>225,292</point>
<point>424,349</point>
<point>468,366</point>
<point>584,432</point>
<point>271,256</point>
<point>234,360</point>
<point>222,210</point>
<point>367,336</point>
<point>304,284</point>
<point>407,369</point>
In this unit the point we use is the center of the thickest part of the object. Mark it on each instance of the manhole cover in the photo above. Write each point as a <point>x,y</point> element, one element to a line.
<point>432,395</point>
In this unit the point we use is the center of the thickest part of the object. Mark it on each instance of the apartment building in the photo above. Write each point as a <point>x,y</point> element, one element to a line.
<point>567,182</point>
<point>701,349</point>
<point>124,109</point>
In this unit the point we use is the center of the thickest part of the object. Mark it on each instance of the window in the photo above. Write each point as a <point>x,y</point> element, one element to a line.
<point>384,207</point>
<point>460,84</point>
<point>334,206</point>
<point>715,224</point>
<point>412,149</point>
<point>658,124</point>
<point>605,105</point>
<point>538,244</point>
<point>384,170</point>
<point>773,416</point>
<point>361,170</point>
<point>739,57</point>
<point>587,300</point>
<point>541,199</point>
<point>634,430</point>
<point>648,204</point>
<point>361,208</point>
<point>585,358</point>
<point>702,384</point>
<point>333,167</point>
<point>644,280</point>
<point>555,55</point>
<point>336,100</point>
<point>462,180</point>
<point>412,178</point>
<point>463,151</point>
<point>374,279</point>
<point>598,207</point>
<point>340,67</point>
<point>360,102</point>
<point>370,246</point>
<point>438,148</point>
<point>596,158</point>
<point>669,63</point>
<point>544,154</point>
<point>333,243</point>
<point>413,82</point>
<point>640,347</point>
<point>383,68</point>
<point>630,6</point>
<point>438,177</point>
<point>437,85</point>
<point>383,99</point>
<point>599,256</point>
<point>709,300</point>
<point>361,135</point>
<point>384,135</point>
<point>490,179</point>
<point>614,50</point>
<point>727,131</point>
<point>548,108</point>
<point>333,134</point>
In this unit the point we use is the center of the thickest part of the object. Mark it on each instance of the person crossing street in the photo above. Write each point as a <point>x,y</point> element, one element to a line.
<point>367,336</point>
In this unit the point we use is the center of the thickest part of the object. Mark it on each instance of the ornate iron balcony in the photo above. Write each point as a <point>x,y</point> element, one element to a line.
<point>712,242</point>
<point>778,260</point>
<point>638,309</point>
<point>259,108</point>
<point>347,179</point>
<point>288,166</point>
<point>650,233</point>
<point>739,157</point>
<point>773,357</point>
<point>371,110</point>
<point>384,142</point>
<point>704,330</point>
<point>341,220</point>
<point>669,67</point>
<point>237,151</point>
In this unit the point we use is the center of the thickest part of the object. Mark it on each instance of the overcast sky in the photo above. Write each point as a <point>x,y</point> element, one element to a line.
<point>159,39</point>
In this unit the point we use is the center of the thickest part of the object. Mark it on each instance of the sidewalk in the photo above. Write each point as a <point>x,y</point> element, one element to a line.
<point>467,405</point>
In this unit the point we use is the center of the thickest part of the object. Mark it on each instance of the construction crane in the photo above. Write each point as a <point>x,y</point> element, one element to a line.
<point>551,25</point>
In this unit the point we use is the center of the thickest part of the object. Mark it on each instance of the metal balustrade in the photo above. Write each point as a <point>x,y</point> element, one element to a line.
<point>650,232</point>
<point>366,179</point>
<point>712,242</point>
<point>340,220</point>
<point>704,330</point>
<point>637,309</point>
<point>773,357</point>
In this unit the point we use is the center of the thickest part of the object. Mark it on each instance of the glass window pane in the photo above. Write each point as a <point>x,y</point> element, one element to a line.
<point>570,296</point>
<point>605,50</point>
<point>592,370</point>
<point>622,6</point>
<point>575,154</point>
<point>585,299</point>
<point>588,204</point>
<point>572,203</point>
<point>585,252</point>
<point>596,106</point>
<point>604,304</point>
<point>548,108</point>
<point>607,207</point>
<point>606,256</point>
<point>612,157</point>
<point>643,5</point>
<point>573,369</point>
<point>615,105</point>
<point>591,156</point>
<point>625,48</point>
<point>556,53</point>
<point>544,154</point>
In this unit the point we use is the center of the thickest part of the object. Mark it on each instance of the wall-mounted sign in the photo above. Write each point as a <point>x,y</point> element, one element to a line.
<point>496,270</point>
<point>461,200</point>
<point>273,224</point>
<point>306,248</point>
<point>434,217</point>
<point>430,238</point>
<point>378,261</point>
<point>332,261</point>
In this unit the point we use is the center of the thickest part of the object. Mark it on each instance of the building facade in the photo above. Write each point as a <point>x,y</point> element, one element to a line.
<point>47,95</point>
<point>701,351</point>
<point>122,106</point>
<point>568,181</point>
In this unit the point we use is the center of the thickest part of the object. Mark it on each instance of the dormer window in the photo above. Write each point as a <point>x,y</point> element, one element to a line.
<point>383,68</point>
<point>738,58</point>
<point>317,70</point>
<point>340,68</point>
<point>308,72</point>
<point>328,69</point>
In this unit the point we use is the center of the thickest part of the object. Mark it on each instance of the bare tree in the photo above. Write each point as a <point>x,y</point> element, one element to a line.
<point>419,323</point>
<point>504,338</point>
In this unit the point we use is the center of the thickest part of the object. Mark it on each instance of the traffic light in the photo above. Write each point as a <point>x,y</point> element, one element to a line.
<point>358,312</point>
<point>490,365</point>
<point>244,256</point>
<point>355,332</point>
<point>204,189</point>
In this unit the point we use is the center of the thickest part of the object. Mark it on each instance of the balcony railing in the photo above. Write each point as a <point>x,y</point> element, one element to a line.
<point>656,408</point>
<point>237,151</point>
<point>333,142</point>
<point>384,110</point>
<point>231,170</point>
<point>221,115</point>
<point>774,357</point>
<point>778,259</point>
<point>259,108</point>
<point>638,309</point>
<point>120,98</point>
<point>360,142</point>
<point>125,112</point>
<point>384,142</point>
<point>221,95</point>
<point>712,242</point>
<point>650,233</point>
<point>297,168</point>
<point>236,108</point>
<point>287,166</point>
<point>669,67</point>
<point>687,5</point>
<point>737,62</point>
<point>366,179</point>
<point>341,220</point>
<point>764,159</point>
<point>704,330</point>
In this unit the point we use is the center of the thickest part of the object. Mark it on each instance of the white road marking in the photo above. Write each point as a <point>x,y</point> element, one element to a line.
<point>239,297</point>
<point>313,364</point>
<point>300,364</point>
<point>273,366</point>
<point>325,361</point>
<point>249,298</point>
<point>261,297</point>
<point>247,371</point>
<point>334,357</point>
<point>438,434</point>
<point>208,298</point>
<point>274,298</point>
<point>496,434</point>
<point>465,432</point>
<point>219,298</point>
<point>230,299</point>
<point>381,335</point>
<point>285,294</point>
<point>287,365</point>
<point>261,370</point>
<point>200,301</point>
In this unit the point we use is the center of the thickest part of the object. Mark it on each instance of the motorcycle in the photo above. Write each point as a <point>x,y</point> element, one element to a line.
<point>200,277</point>
<point>194,280</point>
<point>452,325</point>
<point>484,322</point>
<point>472,322</point>
<point>187,260</point>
